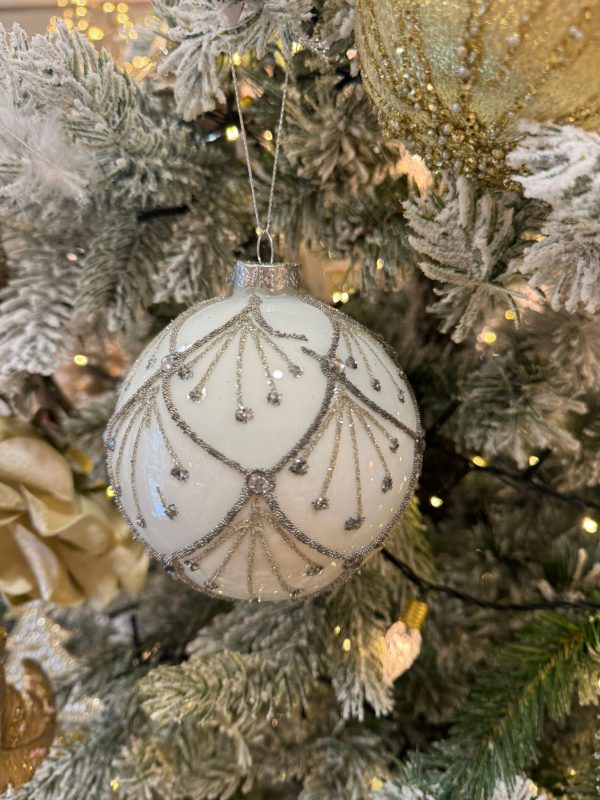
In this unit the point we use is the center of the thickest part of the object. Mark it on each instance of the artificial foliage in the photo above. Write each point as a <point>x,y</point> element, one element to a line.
<point>58,544</point>
<point>123,201</point>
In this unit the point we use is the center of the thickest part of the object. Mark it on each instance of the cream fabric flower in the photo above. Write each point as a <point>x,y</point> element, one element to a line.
<point>55,543</point>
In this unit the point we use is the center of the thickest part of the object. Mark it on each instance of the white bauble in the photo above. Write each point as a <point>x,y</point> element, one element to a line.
<point>264,444</point>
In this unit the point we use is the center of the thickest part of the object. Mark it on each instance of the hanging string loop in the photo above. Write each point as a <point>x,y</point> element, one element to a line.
<point>262,232</point>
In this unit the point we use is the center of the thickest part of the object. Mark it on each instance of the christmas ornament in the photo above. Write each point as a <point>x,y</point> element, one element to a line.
<point>27,722</point>
<point>403,642</point>
<point>264,444</point>
<point>454,79</point>
<point>55,543</point>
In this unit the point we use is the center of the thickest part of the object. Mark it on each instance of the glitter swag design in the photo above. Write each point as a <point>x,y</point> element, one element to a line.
<point>351,468</point>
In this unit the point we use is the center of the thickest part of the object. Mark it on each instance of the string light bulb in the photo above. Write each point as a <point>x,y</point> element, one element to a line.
<point>479,461</point>
<point>232,133</point>
<point>436,501</point>
<point>589,525</point>
<point>533,460</point>
<point>403,641</point>
<point>81,360</point>
<point>487,336</point>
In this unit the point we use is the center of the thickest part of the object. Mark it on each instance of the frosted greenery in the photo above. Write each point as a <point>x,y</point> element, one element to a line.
<point>121,203</point>
<point>563,166</point>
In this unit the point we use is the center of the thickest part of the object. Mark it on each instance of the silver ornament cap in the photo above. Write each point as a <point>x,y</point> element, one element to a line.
<point>254,276</point>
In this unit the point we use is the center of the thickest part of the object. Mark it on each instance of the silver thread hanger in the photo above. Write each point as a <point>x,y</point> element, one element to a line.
<point>261,232</point>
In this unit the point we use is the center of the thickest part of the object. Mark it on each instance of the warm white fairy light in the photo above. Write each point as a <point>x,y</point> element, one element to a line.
<point>99,22</point>
<point>487,336</point>
<point>403,641</point>
<point>589,525</point>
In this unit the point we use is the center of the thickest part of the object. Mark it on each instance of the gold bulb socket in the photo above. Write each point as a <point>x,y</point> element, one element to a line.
<point>415,614</point>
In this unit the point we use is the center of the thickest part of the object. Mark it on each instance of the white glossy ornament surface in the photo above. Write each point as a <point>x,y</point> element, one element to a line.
<point>228,499</point>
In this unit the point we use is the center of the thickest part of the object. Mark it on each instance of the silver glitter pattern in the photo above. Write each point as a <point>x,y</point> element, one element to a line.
<point>344,407</point>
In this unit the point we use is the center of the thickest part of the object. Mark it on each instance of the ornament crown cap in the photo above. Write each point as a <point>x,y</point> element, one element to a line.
<point>270,279</point>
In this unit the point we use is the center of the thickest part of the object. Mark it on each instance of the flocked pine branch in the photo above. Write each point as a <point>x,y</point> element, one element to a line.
<point>201,248</point>
<point>563,168</point>
<point>336,21</point>
<point>514,405</point>
<point>129,137</point>
<point>523,789</point>
<point>202,32</point>
<point>37,307</point>
<point>120,267</point>
<point>468,240</point>
<point>332,139</point>
<point>135,155</point>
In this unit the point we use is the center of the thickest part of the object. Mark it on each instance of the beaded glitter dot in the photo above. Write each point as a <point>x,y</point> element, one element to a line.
<point>320,504</point>
<point>180,473</point>
<point>244,414</point>
<point>274,398</point>
<point>196,395</point>
<point>353,523</point>
<point>299,466</point>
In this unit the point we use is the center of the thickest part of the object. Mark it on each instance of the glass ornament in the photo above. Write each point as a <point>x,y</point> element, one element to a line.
<point>264,444</point>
